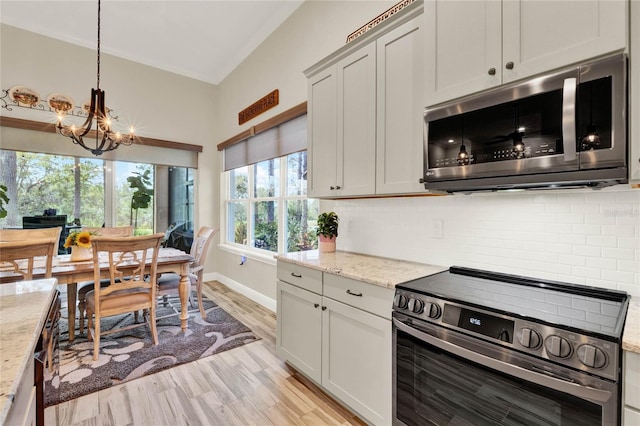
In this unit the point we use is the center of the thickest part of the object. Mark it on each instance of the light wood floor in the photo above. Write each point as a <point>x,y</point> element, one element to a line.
<point>248,385</point>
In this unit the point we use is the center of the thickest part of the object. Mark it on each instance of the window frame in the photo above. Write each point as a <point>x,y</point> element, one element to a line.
<point>282,200</point>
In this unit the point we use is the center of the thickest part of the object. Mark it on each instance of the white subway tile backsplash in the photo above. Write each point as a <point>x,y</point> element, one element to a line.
<point>602,263</point>
<point>571,260</point>
<point>585,237</point>
<point>618,253</point>
<point>588,251</point>
<point>586,229</point>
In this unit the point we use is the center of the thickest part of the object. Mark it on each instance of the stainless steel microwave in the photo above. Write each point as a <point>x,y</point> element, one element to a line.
<point>563,129</point>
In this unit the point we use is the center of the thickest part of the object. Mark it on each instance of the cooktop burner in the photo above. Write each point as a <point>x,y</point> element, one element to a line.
<point>586,309</point>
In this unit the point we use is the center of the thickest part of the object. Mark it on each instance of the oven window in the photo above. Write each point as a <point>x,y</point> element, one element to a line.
<point>438,388</point>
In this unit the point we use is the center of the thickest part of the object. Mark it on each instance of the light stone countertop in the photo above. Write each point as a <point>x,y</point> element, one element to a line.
<point>380,271</point>
<point>23,309</point>
<point>631,335</point>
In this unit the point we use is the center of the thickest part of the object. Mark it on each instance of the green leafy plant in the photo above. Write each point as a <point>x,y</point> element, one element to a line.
<point>4,200</point>
<point>327,225</point>
<point>141,183</point>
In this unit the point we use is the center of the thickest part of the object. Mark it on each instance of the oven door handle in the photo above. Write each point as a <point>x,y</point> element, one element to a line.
<point>578,390</point>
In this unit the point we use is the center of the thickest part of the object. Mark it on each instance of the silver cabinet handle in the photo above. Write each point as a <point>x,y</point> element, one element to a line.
<point>354,294</point>
<point>492,71</point>
<point>569,119</point>
<point>293,274</point>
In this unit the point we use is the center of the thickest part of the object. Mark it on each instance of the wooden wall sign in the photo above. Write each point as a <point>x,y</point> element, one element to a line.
<point>379,19</point>
<point>265,103</point>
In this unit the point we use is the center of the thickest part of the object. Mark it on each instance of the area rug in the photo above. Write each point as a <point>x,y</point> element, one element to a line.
<point>130,354</point>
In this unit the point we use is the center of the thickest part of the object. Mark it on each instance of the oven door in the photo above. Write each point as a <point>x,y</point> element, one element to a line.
<point>442,377</point>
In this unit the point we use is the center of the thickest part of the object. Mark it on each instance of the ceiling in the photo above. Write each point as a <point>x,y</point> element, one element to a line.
<point>204,39</point>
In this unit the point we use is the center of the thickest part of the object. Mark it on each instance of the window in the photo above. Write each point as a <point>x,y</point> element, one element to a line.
<point>267,206</point>
<point>95,192</point>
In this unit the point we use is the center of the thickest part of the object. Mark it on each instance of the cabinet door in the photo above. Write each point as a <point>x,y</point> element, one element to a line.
<point>634,94</point>
<point>356,360</point>
<point>299,325</point>
<point>400,57</point>
<point>463,43</point>
<point>357,122</point>
<point>322,133</point>
<point>543,35</point>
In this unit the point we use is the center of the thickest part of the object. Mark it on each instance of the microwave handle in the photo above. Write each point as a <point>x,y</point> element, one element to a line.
<point>569,119</point>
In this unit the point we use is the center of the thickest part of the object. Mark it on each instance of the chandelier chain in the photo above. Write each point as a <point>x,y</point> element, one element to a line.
<point>98,60</point>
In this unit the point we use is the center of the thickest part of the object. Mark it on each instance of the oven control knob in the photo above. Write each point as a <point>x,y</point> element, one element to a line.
<point>591,356</point>
<point>400,301</point>
<point>558,346</point>
<point>528,338</point>
<point>434,311</point>
<point>416,306</point>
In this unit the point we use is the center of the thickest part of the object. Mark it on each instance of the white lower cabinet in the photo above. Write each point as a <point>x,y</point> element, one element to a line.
<point>23,408</point>
<point>340,339</point>
<point>631,413</point>
<point>299,329</point>
<point>356,360</point>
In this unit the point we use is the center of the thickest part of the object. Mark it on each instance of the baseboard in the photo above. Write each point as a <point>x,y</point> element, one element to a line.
<point>257,297</point>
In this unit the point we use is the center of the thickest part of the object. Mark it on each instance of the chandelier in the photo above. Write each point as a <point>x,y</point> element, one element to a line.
<point>105,138</point>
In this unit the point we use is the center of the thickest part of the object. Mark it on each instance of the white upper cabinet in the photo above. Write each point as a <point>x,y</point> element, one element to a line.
<point>400,92</point>
<point>342,125</point>
<point>475,45</point>
<point>634,102</point>
<point>322,133</point>
<point>356,155</point>
<point>365,112</point>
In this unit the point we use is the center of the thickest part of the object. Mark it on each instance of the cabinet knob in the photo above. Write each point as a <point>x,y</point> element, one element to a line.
<point>509,65</point>
<point>332,188</point>
<point>315,305</point>
<point>324,308</point>
<point>421,180</point>
<point>338,187</point>
<point>492,71</point>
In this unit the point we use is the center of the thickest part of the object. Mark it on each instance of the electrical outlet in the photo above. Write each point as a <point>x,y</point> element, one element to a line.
<point>437,229</point>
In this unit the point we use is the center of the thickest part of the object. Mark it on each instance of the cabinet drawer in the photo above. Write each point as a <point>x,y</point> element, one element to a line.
<point>368,297</point>
<point>309,279</point>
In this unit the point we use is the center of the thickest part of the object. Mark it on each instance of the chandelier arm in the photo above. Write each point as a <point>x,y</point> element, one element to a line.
<point>87,124</point>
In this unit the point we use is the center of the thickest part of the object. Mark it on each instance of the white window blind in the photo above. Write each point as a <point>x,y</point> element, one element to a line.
<point>284,139</point>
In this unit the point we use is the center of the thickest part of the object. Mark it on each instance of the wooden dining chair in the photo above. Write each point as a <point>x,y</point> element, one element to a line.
<point>133,263</point>
<point>168,283</point>
<point>8,235</point>
<point>87,286</point>
<point>17,258</point>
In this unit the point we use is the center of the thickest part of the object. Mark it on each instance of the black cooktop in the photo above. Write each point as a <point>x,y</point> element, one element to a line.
<point>573,306</point>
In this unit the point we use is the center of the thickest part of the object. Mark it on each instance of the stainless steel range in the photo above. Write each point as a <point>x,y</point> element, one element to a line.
<point>475,347</point>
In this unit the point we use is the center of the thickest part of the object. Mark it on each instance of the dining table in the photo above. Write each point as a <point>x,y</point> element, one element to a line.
<point>70,273</point>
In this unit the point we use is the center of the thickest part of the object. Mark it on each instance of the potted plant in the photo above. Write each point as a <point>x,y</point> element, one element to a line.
<point>80,243</point>
<point>327,231</point>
